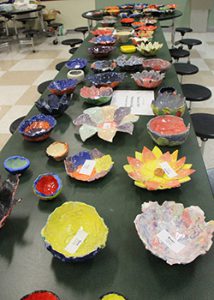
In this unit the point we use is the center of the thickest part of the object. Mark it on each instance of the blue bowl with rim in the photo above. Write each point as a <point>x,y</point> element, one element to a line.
<point>16,164</point>
<point>63,86</point>
<point>76,64</point>
<point>47,186</point>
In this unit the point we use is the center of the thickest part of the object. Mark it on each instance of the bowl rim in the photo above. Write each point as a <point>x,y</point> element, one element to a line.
<point>58,179</point>
<point>13,157</point>
<point>39,291</point>
<point>112,293</point>
<point>73,84</point>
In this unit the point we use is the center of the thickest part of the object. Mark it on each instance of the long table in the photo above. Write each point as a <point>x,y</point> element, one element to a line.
<point>124,265</point>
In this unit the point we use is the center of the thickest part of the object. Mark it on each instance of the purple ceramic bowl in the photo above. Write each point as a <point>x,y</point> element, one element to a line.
<point>100,51</point>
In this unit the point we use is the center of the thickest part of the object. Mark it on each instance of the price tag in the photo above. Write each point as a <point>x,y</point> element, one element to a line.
<point>76,241</point>
<point>168,170</point>
<point>165,237</point>
<point>106,125</point>
<point>87,167</point>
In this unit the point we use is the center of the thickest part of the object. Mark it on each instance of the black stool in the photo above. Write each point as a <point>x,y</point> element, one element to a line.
<point>83,30</point>
<point>195,93</point>
<point>60,65</point>
<point>183,30</point>
<point>204,127</point>
<point>185,69</point>
<point>16,124</point>
<point>43,86</point>
<point>55,27</point>
<point>210,173</point>
<point>72,42</point>
<point>190,43</point>
<point>73,50</point>
<point>30,33</point>
<point>177,53</point>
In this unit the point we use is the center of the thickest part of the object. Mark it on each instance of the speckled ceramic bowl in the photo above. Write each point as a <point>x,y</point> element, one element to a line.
<point>99,51</point>
<point>110,79</point>
<point>63,86</point>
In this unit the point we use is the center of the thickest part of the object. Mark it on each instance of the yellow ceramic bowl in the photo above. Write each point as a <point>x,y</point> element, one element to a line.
<point>128,49</point>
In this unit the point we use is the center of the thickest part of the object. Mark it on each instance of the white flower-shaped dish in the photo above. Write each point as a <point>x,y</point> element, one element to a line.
<point>176,234</point>
<point>105,121</point>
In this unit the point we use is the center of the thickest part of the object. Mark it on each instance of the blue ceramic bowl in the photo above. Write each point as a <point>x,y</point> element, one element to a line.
<point>104,40</point>
<point>37,128</point>
<point>100,51</point>
<point>16,164</point>
<point>47,186</point>
<point>54,105</point>
<point>111,79</point>
<point>76,63</point>
<point>64,86</point>
<point>103,66</point>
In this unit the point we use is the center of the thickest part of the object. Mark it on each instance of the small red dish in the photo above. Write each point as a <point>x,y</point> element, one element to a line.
<point>127,21</point>
<point>41,295</point>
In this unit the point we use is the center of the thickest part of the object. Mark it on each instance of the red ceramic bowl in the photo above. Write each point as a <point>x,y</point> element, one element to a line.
<point>156,64</point>
<point>41,295</point>
<point>126,21</point>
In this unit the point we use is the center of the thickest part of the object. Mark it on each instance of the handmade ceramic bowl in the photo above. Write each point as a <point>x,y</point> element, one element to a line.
<point>8,189</point>
<point>103,66</point>
<point>105,121</point>
<point>148,79</point>
<point>16,164</point>
<point>154,170</point>
<point>168,102</point>
<point>147,28</point>
<point>138,40</point>
<point>76,63</point>
<point>127,21</point>
<point>123,35</point>
<point>168,130</point>
<point>103,31</point>
<point>176,234</point>
<point>105,40</point>
<point>96,96</point>
<point>129,64</point>
<point>128,49</point>
<point>149,21</point>
<point>149,49</point>
<point>100,51</point>
<point>54,105</point>
<point>156,64</point>
<point>37,128</point>
<point>88,165</point>
<point>71,221</point>
<point>47,186</point>
<point>41,295</point>
<point>112,296</point>
<point>57,150</point>
<point>110,79</point>
<point>63,86</point>
<point>144,34</point>
<point>108,23</point>
<point>137,24</point>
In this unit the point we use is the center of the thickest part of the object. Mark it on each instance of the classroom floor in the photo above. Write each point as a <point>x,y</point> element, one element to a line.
<point>22,71</point>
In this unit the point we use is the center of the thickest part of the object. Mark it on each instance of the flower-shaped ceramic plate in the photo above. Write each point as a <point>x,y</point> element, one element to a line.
<point>103,65</point>
<point>54,105</point>
<point>110,79</point>
<point>76,63</point>
<point>105,121</point>
<point>176,234</point>
<point>149,49</point>
<point>70,222</point>
<point>148,79</point>
<point>154,170</point>
<point>96,96</point>
<point>105,40</point>
<point>63,86</point>
<point>88,165</point>
<point>8,190</point>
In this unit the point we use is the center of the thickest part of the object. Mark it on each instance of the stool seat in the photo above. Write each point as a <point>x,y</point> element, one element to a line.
<point>210,173</point>
<point>24,20</point>
<point>72,42</point>
<point>195,92</point>
<point>14,126</point>
<point>55,25</point>
<point>60,65</point>
<point>185,68</point>
<point>203,125</point>
<point>82,29</point>
<point>30,32</point>
<point>190,42</point>
<point>177,53</point>
<point>43,86</point>
<point>73,50</point>
<point>183,30</point>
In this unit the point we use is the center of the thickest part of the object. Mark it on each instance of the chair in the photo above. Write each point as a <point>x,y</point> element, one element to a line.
<point>83,30</point>
<point>195,93</point>
<point>43,86</point>
<point>185,69</point>
<point>203,124</point>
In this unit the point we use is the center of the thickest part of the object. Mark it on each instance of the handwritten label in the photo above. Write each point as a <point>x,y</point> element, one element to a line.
<point>165,237</point>
<point>106,125</point>
<point>168,170</point>
<point>87,167</point>
<point>76,241</point>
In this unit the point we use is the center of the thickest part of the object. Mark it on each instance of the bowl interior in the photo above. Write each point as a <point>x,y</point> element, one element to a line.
<point>16,163</point>
<point>41,295</point>
<point>47,184</point>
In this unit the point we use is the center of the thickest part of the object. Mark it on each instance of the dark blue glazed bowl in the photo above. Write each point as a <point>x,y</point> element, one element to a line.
<point>16,164</point>
<point>76,63</point>
<point>37,128</point>
<point>63,86</point>
<point>111,79</point>
<point>54,105</point>
<point>104,40</point>
<point>103,66</point>
<point>100,51</point>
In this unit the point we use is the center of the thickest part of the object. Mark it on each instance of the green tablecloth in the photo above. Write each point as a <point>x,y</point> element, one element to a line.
<point>124,265</point>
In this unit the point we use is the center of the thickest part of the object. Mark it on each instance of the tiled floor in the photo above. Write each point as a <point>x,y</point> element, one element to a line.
<point>22,71</point>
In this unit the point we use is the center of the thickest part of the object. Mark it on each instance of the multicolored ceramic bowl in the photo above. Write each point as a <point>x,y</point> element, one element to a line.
<point>108,79</point>
<point>156,64</point>
<point>108,23</point>
<point>74,232</point>
<point>99,51</point>
<point>96,96</point>
<point>148,79</point>
<point>16,164</point>
<point>37,128</point>
<point>168,130</point>
<point>63,86</point>
<point>112,296</point>
<point>88,165</point>
<point>47,186</point>
<point>54,105</point>
<point>41,295</point>
<point>8,189</point>
<point>103,66</point>
<point>76,63</point>
<point>104,31</point>
<point>129,64</point>
<point>105,40</point>
<point>176,234</point>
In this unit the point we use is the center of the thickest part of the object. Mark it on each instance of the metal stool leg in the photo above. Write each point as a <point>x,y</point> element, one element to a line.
<point>203,141</point>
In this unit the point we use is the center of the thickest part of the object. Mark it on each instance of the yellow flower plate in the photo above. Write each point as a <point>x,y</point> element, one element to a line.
<point>128,48</point>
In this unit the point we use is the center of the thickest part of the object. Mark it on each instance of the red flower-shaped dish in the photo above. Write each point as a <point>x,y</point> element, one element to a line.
<point>156,64</point>
<point>148,79</point>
